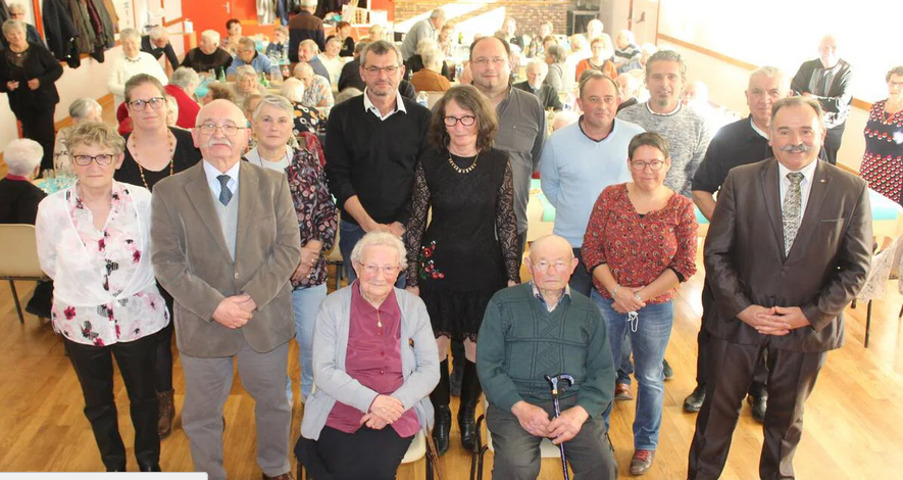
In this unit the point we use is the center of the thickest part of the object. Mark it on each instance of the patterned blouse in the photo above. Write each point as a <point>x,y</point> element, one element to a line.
<point>319,94</point>
<point>308,120</point>
<point>104,289</point>
<point>316,210</point>
<point>638,248</point>
<point>882,164</point>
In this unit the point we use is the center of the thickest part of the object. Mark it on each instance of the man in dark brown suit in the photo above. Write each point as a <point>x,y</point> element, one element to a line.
<point>787,250</point>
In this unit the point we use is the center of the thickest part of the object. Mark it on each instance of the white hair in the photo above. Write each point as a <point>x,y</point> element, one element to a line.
<point>129,33</point>
<point>22,156</point>
<point>82,107</point>
<point>211,35</point>
<point>245,71</point>
<point>157,32</point>
<point>184,77</point>
<point>310,45</point>
<point>543,66</point>
<point>292,89</point>
<point>277,101</point>
<point>385,239</point>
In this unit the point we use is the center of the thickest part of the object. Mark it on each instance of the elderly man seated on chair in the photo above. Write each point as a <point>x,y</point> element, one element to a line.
<point>539,329</point>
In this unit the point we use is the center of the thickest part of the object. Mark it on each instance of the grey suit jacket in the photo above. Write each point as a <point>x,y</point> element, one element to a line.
<point>192,261</point>
<point>826,267</point>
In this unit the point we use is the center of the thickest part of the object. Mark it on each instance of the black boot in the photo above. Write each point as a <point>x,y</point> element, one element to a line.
<point>440,399</point>
<point>457,368</point>
<point>470,395</point>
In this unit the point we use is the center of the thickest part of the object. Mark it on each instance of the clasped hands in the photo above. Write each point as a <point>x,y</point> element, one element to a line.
<point>309,256</point>
<point>536,421</point>
<point>383,411</point>
<point>33,84</point>
<point>627,299</point>
<point>773,320</point>
<point>235,311</point>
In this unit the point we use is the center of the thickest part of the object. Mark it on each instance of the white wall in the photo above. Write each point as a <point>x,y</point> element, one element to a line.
<point>727,82</point>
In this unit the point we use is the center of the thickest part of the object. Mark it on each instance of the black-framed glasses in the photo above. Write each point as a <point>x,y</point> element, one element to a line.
<point>655,165</point>
<point>155,102</point>
<point>389,69</point>
<point>102,159</point>
<point>228,129</point>
<point>466,120</point>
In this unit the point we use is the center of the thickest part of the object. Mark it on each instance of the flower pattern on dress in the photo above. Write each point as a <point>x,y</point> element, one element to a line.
<point>427,264</point>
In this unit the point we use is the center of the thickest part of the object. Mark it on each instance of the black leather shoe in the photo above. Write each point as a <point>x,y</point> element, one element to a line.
<point>693,402</point>
<point>442,429</point>
<point>116,468</point>
<point>758,405</point>
<point>149,467</point>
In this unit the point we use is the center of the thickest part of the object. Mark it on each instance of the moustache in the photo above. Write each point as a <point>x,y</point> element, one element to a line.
<point>801,148</point>
<point>218,141</point>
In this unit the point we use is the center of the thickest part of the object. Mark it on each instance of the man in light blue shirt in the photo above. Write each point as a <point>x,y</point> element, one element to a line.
<point>580,160</point>
<point>247,55</point>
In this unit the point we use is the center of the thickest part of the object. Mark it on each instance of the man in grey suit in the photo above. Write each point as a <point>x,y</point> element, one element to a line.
<point>788,248</point>
<point>225,243</point>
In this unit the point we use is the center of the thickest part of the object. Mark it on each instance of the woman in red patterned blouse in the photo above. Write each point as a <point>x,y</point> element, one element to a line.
<point>640,243</point>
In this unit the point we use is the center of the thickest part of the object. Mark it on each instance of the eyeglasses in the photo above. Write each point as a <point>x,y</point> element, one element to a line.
<point>466,120</point>
<point>102,159</point>
<point>655,165</point>
<point>389,69</point>
<point>483,61</point>
<point>371,269</point>
<point>228,129</point>
<point>156,103</point>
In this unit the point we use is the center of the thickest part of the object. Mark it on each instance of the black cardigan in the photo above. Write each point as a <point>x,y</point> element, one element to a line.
<point>40,64</point>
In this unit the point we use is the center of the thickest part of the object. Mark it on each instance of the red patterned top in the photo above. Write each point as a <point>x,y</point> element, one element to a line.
<point>882,164</point>
<point>638,248</point>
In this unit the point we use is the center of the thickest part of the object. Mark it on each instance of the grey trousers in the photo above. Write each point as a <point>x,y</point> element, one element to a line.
<point>517,455</point>
<point>207,385</point>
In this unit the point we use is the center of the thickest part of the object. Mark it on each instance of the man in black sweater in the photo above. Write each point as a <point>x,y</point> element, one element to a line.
<point>372,145</point>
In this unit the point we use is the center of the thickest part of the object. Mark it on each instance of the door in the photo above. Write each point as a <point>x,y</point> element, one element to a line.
<point>209,14</point>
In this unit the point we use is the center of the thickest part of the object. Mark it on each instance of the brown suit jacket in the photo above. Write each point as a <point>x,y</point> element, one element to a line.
<point>192,261</point>
<point>826,267</point>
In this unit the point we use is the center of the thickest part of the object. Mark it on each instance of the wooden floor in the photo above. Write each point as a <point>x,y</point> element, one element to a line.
<point>853,426</point>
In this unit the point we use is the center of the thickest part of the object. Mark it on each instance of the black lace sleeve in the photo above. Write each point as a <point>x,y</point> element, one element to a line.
<point>506,226</point>
<point>420,206</point>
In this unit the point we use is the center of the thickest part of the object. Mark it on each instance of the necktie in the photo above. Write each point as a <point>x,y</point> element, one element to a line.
<point>224,194</point>
<point>792,210</point>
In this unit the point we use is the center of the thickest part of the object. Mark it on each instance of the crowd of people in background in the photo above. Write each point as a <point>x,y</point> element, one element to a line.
<point>208,209</point>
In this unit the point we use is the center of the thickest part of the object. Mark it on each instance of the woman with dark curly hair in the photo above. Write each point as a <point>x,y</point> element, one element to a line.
<point>469,250</point>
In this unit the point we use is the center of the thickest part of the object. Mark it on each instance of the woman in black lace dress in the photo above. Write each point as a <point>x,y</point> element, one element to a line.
<point>468,251</point>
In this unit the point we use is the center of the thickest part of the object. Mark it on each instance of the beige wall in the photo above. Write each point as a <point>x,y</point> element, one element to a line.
<point>727,82</point>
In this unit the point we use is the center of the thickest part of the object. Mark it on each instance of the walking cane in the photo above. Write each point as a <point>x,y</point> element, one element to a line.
<point>554,381</point>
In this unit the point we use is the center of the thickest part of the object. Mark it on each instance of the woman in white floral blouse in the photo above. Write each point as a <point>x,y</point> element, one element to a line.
<point>93,240</point>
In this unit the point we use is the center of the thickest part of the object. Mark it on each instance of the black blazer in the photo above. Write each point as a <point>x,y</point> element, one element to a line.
<point>825,268</point>
<point>19,201</point>
<point>157,52</point>
<point>38,64</point>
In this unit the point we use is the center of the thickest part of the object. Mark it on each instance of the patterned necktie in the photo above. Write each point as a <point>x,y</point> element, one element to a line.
<point>792,210</point>
<point>224,194</point>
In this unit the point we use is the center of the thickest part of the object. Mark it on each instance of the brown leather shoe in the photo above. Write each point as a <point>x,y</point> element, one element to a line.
<point>284,476</point>
<point>641,461</point>
<point>622,392</point>
<point>167,413</point>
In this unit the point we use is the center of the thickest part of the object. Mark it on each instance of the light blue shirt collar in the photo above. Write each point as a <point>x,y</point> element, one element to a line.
<point>212,172</point>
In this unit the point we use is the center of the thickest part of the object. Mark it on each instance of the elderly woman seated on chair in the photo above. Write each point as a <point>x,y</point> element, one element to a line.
<point>374,362</point>
<point>19,200</point>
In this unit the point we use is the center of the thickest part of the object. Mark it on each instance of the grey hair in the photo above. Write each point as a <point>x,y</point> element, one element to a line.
<point>22,156</point>
<point>129,33</point>
<point>768,71</point>
<point>437,13</point>
<point>798,102</point>
<point>184,77</point>
<point>558,53</point>
<point>380,47</point>
<point>247,43</point>
<point>302,66</point>
<point>82,107</point>
<point>10,24</point>
<point>16,6</point>
<point>245,71</point>
<point>276,101</point>
<point>173,105</point>
<point>211,35</point>
<point>385,239</point>
<point>667,56</point>
<point>425,44</point>
<point>311,45</point>
<point>157,32</point>
<point>292,89</point>
<point>542,65</point>
<point>431,57</point>
<point>347,94</point>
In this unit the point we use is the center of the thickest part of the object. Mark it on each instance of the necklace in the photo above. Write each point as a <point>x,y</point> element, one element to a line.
<point>464,170</point>
<point>172,154</point>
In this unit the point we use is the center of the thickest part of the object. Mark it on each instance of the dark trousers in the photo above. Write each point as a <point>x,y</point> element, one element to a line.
<point>791,379</point>
<point>163,363</point>
<point>833,137</point>
<point>94,367</point>
<point>703,361</point>
<point>366,454</point>
<point>38,126</point>
<point>517,452</point>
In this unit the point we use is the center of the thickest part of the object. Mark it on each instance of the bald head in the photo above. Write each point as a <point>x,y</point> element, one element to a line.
<point>551,262</point>
<point>551,244</point>
<point>221,133</point>
<point>827,51</point>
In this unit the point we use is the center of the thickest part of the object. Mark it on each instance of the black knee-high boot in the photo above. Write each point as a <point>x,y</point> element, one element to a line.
<point>470,395</point>
<point>440,399</point>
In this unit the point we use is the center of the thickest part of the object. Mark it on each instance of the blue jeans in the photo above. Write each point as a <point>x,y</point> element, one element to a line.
<point>350,234</point>
<point>306,303</point>
<point>649,336</point>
